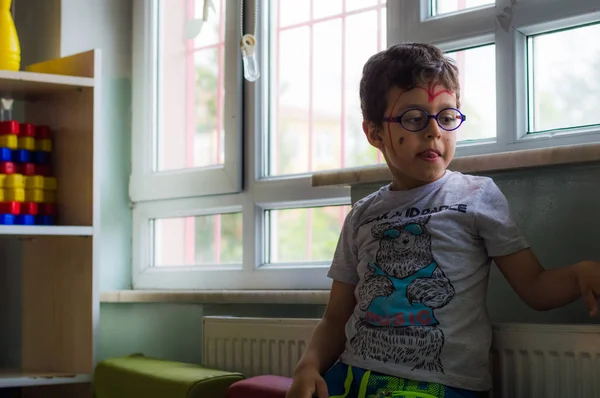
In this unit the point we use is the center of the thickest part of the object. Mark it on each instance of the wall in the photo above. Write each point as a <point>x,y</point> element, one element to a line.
<point>38,26</point>
<point>173,331</point>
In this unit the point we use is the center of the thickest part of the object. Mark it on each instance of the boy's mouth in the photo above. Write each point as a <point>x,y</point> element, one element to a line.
<point>430,155</point>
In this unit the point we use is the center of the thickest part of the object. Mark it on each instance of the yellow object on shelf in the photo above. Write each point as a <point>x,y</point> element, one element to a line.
<point>34,182</point>
<point>34,195</point>
<point>10,49</point>
<point>43,144</point>
<point>27,143</point>
<point>14,181</point>
<point>14,194</point>
<point>49,183</point>
<point>8,141</point>
<point>49,196</point>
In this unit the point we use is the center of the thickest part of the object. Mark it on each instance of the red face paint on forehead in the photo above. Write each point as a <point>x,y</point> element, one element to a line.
<point>431,91</point>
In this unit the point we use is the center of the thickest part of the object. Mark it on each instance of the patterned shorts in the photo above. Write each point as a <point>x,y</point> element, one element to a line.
<point>344,381</point>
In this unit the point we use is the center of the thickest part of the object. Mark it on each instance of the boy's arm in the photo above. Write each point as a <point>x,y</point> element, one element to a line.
<point>548,289</point>
<point>541,289</point>
<point>328,339</point>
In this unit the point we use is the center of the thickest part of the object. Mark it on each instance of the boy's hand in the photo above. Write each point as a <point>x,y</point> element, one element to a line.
<point>588,277</point>
<point>308,383</point>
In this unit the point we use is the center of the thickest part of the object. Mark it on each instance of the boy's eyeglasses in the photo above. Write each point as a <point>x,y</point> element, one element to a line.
<point>417,119</point>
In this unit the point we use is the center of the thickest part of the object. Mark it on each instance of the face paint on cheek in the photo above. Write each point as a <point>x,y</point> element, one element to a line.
<point>389,125</point>
<point>401,140</point>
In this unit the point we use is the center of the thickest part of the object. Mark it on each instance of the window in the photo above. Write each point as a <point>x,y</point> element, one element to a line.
<point>196,225</point>
<point>524,68</point>
<point>207,240</point>
<point>478,92</point>
<point>187,112</point>
<point>564,83</point>
<point>316,53</point>
<point>299,236</point>
<point>196,101</point>
<point>221,166</point>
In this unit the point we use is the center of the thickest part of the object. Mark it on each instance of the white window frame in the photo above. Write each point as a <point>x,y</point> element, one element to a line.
<point>482,25</point>
<point>259,193</point>
<point>145,184</point>
<point>150,192</point>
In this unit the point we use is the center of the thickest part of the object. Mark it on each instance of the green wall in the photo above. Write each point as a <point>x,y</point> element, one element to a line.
<point>173,331</point>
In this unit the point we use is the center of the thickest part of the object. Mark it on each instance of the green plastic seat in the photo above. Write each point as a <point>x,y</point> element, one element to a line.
<point>138,376</point>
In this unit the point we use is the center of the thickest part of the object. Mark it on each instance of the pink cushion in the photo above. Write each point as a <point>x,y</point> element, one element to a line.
<point>267,386</point>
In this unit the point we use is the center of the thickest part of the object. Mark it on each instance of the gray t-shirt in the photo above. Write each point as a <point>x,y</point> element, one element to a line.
<point>420,260</point>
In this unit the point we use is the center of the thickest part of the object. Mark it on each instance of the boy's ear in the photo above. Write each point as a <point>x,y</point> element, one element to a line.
<point>373,133</point>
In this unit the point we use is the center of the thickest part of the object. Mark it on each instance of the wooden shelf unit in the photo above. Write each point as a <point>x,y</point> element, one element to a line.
<point>49,274</point>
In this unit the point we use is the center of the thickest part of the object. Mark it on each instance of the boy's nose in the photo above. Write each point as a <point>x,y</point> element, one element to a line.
<point>433,130</point>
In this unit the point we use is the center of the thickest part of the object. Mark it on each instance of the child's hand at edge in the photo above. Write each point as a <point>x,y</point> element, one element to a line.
<point>308,383</point>
<point>588,277</point>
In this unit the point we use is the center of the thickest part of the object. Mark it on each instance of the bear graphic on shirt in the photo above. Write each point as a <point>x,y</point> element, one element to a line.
<point>399,295</point>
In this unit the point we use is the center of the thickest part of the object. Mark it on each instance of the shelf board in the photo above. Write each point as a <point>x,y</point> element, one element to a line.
<point>12,378</point>
<point>46,230</point>
<point>22,84</point>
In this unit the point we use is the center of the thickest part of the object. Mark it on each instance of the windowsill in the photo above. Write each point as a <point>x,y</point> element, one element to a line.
<point>217,296</point>
<point>506,161</point>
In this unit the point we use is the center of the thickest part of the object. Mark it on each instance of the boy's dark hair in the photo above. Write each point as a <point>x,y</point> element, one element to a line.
<point>404,66</point>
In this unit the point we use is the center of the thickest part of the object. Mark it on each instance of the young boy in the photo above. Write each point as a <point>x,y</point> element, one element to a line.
<point>406,315</point>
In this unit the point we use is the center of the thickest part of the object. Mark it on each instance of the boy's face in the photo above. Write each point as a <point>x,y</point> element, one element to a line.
<point>421,157</point>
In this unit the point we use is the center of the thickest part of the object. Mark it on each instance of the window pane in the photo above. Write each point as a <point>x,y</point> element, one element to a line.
<point>190,88</point>
<point>315,65</point>
<point>293,12</point>
<point>478,92</point>
<point>323,9</point>
<point>353,5</point>
<point>439,7</point>
<point>304,235</point>
<point>564,83</point>
<point>201,240</point>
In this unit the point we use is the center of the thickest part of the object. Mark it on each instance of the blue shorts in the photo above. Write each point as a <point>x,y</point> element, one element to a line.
<point>344,381</point>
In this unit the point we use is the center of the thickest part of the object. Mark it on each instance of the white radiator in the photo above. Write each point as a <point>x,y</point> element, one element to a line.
<point>528,360</point>
<point>255,346</point>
